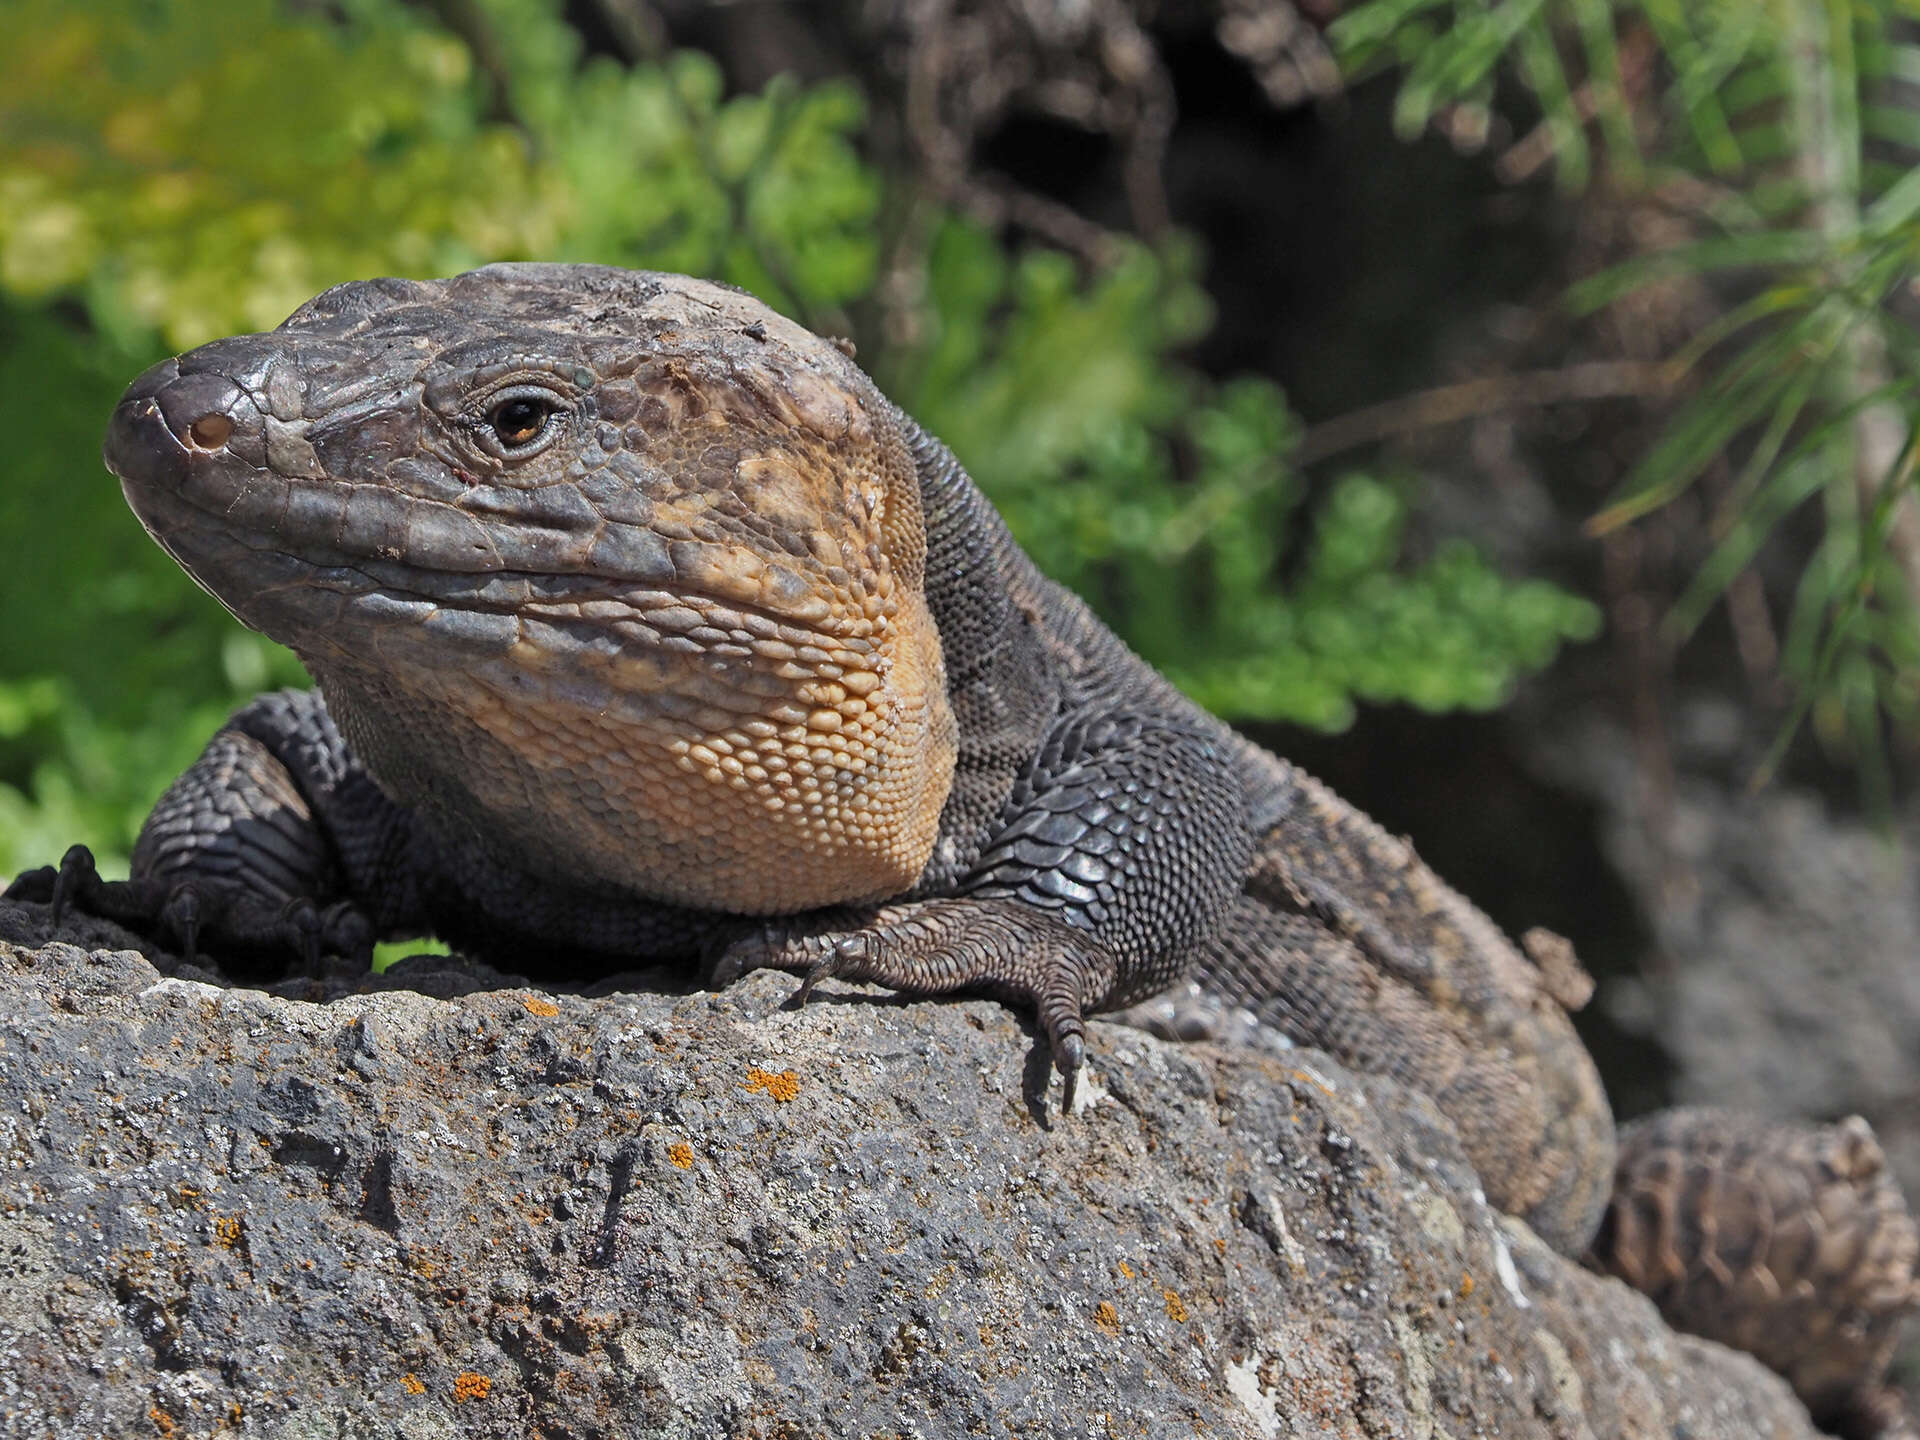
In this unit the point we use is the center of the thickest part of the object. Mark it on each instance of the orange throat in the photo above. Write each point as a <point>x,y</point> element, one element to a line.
<point>794,777</point>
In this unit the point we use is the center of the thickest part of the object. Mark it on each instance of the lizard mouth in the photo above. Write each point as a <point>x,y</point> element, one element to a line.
<point>240,499</point>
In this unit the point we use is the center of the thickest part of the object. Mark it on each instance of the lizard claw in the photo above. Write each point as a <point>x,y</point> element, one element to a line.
<point>759,950</point>
<point>846,952</point>
<point>1069,1054</point>
<point>348,932</point>
<point>300,925</point>
<point>183,914</point>
<point>76,883</point>
<point>772,947</point>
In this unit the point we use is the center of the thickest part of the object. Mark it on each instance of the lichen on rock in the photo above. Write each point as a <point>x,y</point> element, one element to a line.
<point>423,1214</point>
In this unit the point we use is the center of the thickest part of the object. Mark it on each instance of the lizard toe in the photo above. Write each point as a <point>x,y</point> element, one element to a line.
<point>1069,1055</point>
<point>299,927</point>
<point>845,956</point>
<point>77,883</point>
<point>345,930</point>
<point>33,886</point>
<point>183,914</point>
<point>764,947</point>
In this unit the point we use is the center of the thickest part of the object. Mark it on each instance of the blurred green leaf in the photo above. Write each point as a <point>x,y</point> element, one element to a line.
<point>1801,128</point>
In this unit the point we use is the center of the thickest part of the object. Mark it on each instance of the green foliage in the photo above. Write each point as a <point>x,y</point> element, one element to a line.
<point>171,171</point>
<point>1796,122</point>
<point>138,168</point>
<point>205,169</point>
<point>1450,53</point>
<point>1170,503</point>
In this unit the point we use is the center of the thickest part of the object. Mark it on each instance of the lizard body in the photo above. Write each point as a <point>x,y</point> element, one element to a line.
<point>644,626</point>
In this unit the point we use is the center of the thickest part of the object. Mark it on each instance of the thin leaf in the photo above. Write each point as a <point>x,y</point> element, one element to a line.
<point>1776,300</point>
<point>1838,420</point>
<point>1451,68</point>
<point>1900,204</point>
<point>1365,28</point>
<point>1697,84</point>
<point>1700,432</point>
<point>1852,584</point>
<point>1786,489</point>
<point>1753,88</point>
<point>1595,19</point>
<point>1768,248</point>
<point>1803,633</point>
<point>1540,67</point>
<point>1902,63</point>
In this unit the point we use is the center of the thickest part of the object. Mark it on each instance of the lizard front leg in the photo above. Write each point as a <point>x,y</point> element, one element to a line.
<point>1119,852</point>
<point>260,851</point>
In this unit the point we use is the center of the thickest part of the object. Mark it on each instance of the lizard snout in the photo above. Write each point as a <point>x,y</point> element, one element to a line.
<point>166,417</point>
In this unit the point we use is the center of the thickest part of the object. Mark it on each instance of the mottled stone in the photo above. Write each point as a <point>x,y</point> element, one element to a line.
<point>499,1211</point>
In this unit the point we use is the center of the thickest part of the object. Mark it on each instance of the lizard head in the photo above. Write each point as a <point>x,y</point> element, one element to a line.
<point>621,561</point>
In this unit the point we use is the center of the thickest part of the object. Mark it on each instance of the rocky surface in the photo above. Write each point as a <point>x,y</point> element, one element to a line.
<point>491,1210</point>
<point>1786,972</point>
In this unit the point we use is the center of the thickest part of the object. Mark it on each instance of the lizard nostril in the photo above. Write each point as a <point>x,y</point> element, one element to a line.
<point>202,408</point>
<point>210,432</point>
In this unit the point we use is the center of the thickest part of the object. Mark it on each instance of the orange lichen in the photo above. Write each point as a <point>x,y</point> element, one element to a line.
<point>1314,1080</point>
<point>162,1421</point>
<point>1466,1284</point>
<point>469,1386</point>
<point>226,1231</point>
<point>545,1009</point>
<point>1176,1308</point>
<point>413,1384</point>
<point>1106,1318</point>
<point>681,1154</point>
<point>1126,1269</point>
<point>782,1087</point>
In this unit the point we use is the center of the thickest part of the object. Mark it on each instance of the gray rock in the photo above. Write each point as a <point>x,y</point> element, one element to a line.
<point>1786,976</point>
<point>509,1212</point>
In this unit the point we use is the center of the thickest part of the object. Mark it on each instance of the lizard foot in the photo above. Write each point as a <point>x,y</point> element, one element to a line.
<point>186,914</point>
<point>1002,948</point>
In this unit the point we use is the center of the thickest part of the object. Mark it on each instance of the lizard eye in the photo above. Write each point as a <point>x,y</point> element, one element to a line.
<point>519,421</point>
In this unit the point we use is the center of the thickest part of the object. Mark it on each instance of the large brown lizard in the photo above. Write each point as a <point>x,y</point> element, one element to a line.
<point>644,626</point>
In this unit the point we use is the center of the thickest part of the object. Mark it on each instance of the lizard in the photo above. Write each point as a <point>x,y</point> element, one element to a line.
<point>643,625</point>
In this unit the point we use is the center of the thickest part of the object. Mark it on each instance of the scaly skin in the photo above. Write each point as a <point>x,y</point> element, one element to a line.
<point>1807,1260</point>
<point>645,627</point>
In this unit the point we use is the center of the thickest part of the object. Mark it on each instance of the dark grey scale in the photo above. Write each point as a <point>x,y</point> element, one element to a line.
<point>1003,693</point>
<point>239,786</point>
